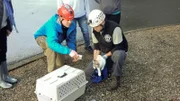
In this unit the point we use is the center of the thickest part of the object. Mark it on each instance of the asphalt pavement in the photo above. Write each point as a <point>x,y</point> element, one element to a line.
<point>149,13</point>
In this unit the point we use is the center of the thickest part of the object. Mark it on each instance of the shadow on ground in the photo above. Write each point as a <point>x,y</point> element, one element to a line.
<point>151,71</point>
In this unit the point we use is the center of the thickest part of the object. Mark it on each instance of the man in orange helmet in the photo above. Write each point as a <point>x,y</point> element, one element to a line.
<point>49,37</point>
<point>81,10</point>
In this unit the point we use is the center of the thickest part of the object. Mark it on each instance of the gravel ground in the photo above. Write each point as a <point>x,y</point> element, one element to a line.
<point>151,71</point>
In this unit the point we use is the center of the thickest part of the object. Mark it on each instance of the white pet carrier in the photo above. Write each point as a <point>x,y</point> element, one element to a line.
<point>64,84</point>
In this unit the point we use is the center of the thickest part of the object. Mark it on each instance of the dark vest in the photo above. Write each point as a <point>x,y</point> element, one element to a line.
<point>105,39</point>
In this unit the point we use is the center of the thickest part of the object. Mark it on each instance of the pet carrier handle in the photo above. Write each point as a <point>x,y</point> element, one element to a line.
<point>62,75</point>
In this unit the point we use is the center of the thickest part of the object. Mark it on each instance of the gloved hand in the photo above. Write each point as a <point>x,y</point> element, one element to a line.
<point>105,56</point>
<point>73,54</point>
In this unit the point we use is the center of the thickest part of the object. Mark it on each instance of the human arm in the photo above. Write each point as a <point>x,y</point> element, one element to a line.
<point>74,55</point>
<point>105,56</point>
<point>10,21</point>
<point>9,27</point>
<point>95,54</point>
<point>71,40</point>
<point>52,40</point>
<point>96,47</point>
<point>117,38</point>
<point>71,43</point>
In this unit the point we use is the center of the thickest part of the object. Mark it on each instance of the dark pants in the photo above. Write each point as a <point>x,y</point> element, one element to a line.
<point>113,63</point>
<point>118,58</point>
<point>3,50</point>
<point>3,44</point>
<point>115,18</point>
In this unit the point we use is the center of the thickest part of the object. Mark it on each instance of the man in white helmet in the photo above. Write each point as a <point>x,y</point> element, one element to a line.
<point>108,40</point>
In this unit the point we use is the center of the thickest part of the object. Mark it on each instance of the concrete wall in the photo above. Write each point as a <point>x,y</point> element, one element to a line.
<point>29,16</point>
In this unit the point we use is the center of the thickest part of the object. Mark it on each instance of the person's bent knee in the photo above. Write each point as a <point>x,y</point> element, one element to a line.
<point>118,55</point>
<point>41,41</point>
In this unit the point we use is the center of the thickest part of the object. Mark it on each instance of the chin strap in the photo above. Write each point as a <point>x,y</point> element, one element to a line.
<point>103,26</point>
<point>61,23</point>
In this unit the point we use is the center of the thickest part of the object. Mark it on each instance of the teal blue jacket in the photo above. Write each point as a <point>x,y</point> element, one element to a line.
<point>53,32</point>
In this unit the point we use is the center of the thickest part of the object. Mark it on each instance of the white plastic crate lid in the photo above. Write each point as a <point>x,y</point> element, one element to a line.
<point>61,82</point>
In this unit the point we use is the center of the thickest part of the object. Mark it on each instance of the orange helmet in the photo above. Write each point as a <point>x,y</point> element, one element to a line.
<point>66,12</point>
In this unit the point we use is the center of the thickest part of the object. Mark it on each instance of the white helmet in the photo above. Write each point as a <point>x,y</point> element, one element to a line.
<point>96,17</point>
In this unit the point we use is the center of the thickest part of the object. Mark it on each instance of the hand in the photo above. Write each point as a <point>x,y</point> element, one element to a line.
<point>8,32</point>
<point>105,56</point>
<point>73,54</point>
<point>75,58</point>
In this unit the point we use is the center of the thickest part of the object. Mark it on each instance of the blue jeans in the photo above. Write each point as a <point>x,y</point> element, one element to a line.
<point>82,22</point>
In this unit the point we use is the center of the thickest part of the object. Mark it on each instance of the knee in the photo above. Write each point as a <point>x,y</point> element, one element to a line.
<point>49,52</point>
<point>118,55</point>
<point>41,41</point>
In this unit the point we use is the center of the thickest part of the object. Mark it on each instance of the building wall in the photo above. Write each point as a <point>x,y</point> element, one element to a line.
<point>29,16</point>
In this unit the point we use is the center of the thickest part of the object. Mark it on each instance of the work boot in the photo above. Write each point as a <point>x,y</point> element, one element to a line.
<point>89,49</point>
<point>5,74</point>
<point>11,80</point>
<point>109,73</point>
<point>5,84</point>
<point>114,84</point>
<point>2,83</point>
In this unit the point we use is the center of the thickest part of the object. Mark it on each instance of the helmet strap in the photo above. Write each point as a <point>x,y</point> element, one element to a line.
<point>102,25</point>
<point>62,23</point>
